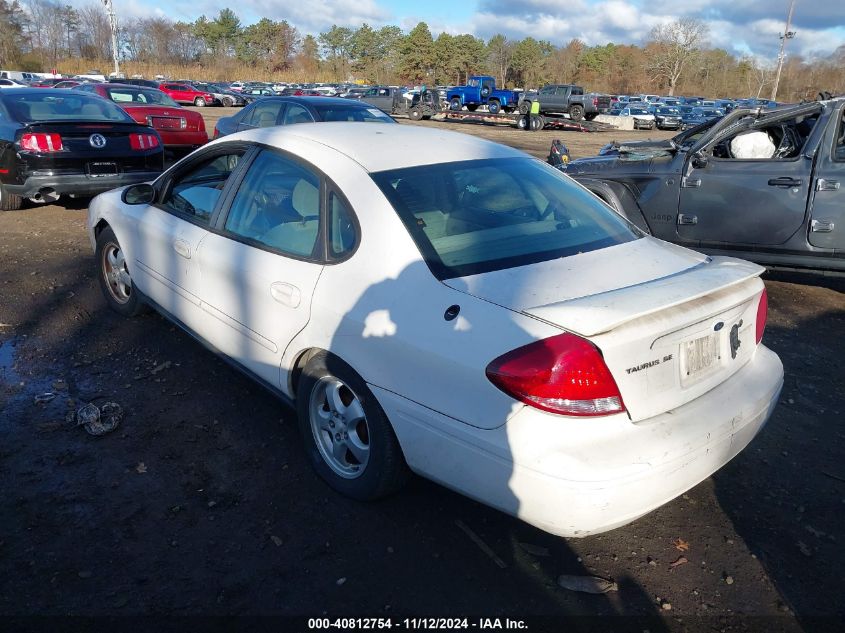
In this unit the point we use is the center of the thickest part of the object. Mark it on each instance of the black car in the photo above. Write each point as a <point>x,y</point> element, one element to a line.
<point>146,83</point>
<point>763,185</point>
<point>288,110</point>
<point>55,142</point>
<point>667,118</point>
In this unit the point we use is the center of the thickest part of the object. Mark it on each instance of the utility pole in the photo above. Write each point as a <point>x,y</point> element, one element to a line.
<point>786,35</point>
<point>113,24</point>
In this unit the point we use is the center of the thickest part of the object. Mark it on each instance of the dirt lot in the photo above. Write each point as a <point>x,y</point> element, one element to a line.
<point>202,501</point>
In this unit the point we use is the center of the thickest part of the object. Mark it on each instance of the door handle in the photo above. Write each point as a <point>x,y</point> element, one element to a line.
<point>182,248</point>
<point>822,226</point>
<point>786,182</point>
<point>687,219</point>
<point>286,294</point>
<point>827,185</point>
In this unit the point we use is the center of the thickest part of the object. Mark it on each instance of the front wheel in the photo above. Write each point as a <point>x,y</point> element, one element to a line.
<point>347,436</point>
<point>494,107</point>
<point>115,280</point>
<point>199,102</point>
<point>228,102</point>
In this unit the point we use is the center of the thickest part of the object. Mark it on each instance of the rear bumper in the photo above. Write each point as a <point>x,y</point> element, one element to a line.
<point>575,477</point>
<point>79,184</point>
<point>182,139</point>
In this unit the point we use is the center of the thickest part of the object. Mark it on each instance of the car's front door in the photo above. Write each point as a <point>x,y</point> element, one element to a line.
<point>260,269</point>
<point>755,201</point>
<point>171,231</point>
<point>827,216</point>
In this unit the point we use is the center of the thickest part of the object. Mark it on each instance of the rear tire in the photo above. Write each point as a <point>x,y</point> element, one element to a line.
<point>348,438</point>
<point>113,273</point>
<point>525,107</point>
<point>9,201</point>
<point>591,116</point>
<point>472,107</point>
<point>199,102</point>
<point>228,102</point>
<point>415,114</point>
<point>576,113</point>
<point>455,104</point>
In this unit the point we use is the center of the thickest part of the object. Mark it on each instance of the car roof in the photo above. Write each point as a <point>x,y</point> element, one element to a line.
<point>314,99</point>
<point>382,147</point>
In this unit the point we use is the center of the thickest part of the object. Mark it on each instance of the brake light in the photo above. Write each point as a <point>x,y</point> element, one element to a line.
<point>216,132</point>
<point>762,315</point>
<point>596,101</point>
<point>564,374</point>
<point>140,142</point>
<point>42,143</point>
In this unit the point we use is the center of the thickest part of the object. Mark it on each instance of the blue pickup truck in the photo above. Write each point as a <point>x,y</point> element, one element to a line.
<point>481,90</point>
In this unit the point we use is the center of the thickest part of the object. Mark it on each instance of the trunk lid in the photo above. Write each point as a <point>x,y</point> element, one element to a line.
<point>671,324</point>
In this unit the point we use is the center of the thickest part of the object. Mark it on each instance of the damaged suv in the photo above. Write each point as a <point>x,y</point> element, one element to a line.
<point>759,184</point>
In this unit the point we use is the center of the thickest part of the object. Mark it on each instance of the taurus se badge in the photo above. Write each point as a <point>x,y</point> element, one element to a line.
<point>735,342</point>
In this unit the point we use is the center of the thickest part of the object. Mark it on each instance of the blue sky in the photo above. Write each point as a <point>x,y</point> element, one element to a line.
<point>740,26</point>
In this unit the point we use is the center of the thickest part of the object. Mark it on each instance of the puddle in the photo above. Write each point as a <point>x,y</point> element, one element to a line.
<point>8,375</point>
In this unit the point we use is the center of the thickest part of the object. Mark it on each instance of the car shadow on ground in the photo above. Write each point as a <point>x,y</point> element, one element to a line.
<point>785,492</point>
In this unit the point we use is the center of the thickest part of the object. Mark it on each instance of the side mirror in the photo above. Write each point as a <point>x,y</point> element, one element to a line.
<point>699,160</point>
<point>142,193</point>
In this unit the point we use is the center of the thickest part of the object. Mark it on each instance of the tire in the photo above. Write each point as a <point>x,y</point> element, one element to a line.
<point>228,102</point>
<point>591,116</point>
<point>199,102</point>
<point>363,463</point>
<point>485,92</point>
<point>115,282</point>
<point>9,201</point>
<point>576,112</point>
<point>524,107</point>
<point>415,114</point>
<point>521,123</point>
<point>494,107</point>
<point>455,104</point>
<point>472,107</point>
<point>537,123</point>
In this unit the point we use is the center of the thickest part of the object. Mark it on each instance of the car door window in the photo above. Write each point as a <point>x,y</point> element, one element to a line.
<point>264,114</point>
<point>839,148</point>
<point>278,205</point>
<point>196,192</point>
<point>297,114</point>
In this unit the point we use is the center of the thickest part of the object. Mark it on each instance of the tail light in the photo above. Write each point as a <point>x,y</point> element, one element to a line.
<point>42,143</point>
<point>140,142</point>
<point>596,101</point>
<point>216,132</point>
<point>564,374</point>
<point>762,315</point>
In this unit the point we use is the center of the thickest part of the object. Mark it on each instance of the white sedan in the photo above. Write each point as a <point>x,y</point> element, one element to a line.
<point>436,303</point>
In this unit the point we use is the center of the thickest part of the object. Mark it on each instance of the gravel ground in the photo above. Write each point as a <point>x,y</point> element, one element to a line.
<point>202,501</point>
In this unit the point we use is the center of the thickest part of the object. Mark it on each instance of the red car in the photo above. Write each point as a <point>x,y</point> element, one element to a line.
<point>183,93</point>
<point>180,129</point>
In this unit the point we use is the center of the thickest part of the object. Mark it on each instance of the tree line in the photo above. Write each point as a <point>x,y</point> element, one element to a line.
<point>42,34</point>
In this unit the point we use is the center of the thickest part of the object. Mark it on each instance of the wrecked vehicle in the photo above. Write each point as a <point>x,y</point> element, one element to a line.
<point>704,188</point>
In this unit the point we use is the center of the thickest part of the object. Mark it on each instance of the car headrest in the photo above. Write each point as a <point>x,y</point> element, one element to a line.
<point>306,198</point>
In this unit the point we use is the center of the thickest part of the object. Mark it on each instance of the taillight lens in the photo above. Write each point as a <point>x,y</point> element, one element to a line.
<point>216,132</point>
<point>42,143</point>
<point>762,315</point>
<point>140,142</point>
<point>564,374</point>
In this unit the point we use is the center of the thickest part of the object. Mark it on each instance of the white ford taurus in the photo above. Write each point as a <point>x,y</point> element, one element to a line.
<point>436,303</point>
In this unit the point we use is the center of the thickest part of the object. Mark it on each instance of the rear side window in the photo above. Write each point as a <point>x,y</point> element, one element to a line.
<point>478,216</point>
<point>345,113</point>
<point>264,114</point>
<point>278,205</point>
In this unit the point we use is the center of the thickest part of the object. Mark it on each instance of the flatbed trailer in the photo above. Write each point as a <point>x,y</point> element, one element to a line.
<point>518,121</point>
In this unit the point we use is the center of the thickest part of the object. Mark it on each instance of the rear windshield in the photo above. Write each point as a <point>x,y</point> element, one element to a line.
<point>141,97</point>
<point>34,107</point>
<point>478,216</point>
<point>332,112</point>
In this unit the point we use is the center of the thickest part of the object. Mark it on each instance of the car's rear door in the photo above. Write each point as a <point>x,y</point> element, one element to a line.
<point>827,215</point>
<point>757,202</point>
<point>260,268</point>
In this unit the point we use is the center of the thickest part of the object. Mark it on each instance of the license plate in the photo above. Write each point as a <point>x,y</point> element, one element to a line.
<point>102,169</point>
<point>162,123</point>
<point>700,355</point>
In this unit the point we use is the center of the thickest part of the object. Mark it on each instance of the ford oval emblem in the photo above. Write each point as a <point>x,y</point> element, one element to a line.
<point>718,326</point>
<point>97,141</point>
